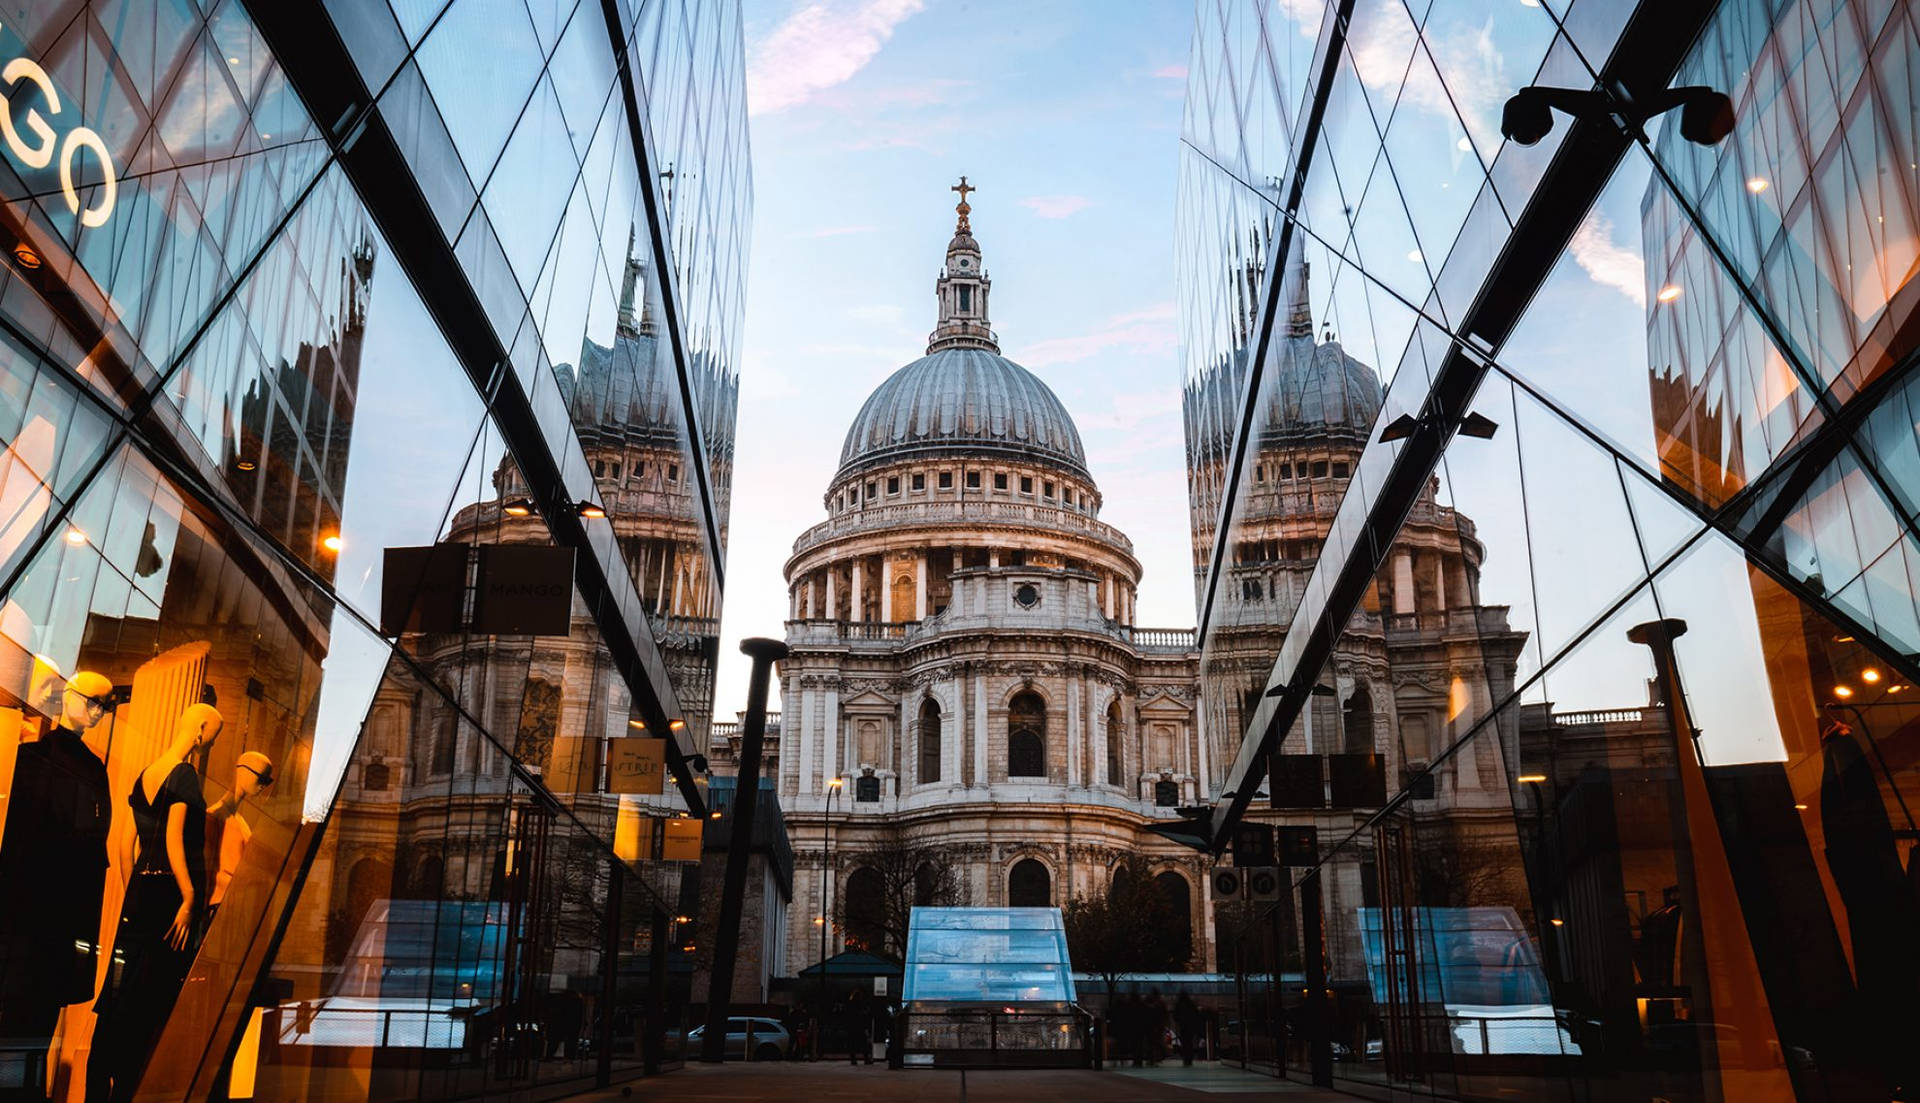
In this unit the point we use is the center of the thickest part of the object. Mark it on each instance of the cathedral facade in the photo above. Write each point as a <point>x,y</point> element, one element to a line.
<point>968,687</point>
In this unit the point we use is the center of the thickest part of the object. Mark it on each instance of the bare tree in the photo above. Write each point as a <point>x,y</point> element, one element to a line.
<point>1129,928</point>
<point>909,873</point>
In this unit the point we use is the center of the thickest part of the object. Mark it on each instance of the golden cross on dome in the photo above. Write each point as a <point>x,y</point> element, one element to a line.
<point>963,188</point>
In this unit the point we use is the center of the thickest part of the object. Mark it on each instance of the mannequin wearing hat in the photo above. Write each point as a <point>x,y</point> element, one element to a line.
<point>160,917</point>
<point>252,773</point>
<point>53,865</point>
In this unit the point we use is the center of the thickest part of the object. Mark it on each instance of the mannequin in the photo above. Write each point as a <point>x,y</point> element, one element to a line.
<point>252,773</point>
<point>160,918</point>
<point>55,857</point>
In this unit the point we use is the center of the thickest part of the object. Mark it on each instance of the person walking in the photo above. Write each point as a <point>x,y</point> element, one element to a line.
<point>1154,1016</point>
<point>1186,1021</point>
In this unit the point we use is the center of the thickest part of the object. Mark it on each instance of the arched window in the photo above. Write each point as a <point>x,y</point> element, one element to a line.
<point>1026,736</point>
<point>929,741</point>
<point>431,878</point>
<point>926,885</point>
<point>1116,734</point>
<point>1358,722</point>
<point>1179,897</point>
<point>1029,885</point>
<point>866,911</point>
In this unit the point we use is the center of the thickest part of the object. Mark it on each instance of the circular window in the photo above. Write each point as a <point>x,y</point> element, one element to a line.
<point>965,263</point>
<point>1027,596</point>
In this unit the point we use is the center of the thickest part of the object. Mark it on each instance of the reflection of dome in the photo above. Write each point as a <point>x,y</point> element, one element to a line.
<point>1318,385</point>
<point>963,400</point>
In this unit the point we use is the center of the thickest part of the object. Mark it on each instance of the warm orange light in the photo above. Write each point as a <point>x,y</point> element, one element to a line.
<point>835,783</point>
<point>26,257</point>
<point>676,725</point>
<point>1843,691</point>
<point>1756,184</point>
<point>76,537</point>
<point>1800,808</point>
<point>1558,922</point>
<point>244,465</point>
<point>333,543</point>
<point>637,725</point>
<point>1531,779</point>
<point>1895,688</point>
<point>713,815</point>
<point>1870,675</point>
<point>819,922</point>
<point>1669,293</point>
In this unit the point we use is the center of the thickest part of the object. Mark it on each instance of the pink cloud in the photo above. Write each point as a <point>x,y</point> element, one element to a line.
<point>1171,72</point>
<point>1148,332</point>
<point>1056,206</point>
<point>817,47</point>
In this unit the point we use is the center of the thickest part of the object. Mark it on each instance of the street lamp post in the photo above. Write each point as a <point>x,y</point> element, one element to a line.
<point>826,912</point>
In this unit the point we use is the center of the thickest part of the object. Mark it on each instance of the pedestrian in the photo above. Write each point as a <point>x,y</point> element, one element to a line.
<point>1134,1029</point>
<point>858,1023</point>
<point>1154,1016</point>
<point>1186,1020</point>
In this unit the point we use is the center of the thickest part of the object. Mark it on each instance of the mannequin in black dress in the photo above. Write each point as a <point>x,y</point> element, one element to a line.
<point>160,918</point>
<point>54,853</point>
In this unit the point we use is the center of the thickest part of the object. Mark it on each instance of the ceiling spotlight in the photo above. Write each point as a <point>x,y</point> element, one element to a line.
<point>1870,675</point>
<point>589,510</point>
<point>244,465</point>
<point>517,507</point>
<point>333,543</point>
<point>1531,779</point>
<point>637,725</point>
<point>1843,691</point>
<point>1669,293</point>
<point>1756,184</point>
<point>26,257</point>
<point>676,725</point>
<point>76,537</point>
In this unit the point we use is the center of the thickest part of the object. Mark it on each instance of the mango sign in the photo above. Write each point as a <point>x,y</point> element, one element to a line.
<point>636,765</point>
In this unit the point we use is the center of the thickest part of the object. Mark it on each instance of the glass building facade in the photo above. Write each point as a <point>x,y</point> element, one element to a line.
<point>1554,511</point>
<point>286,287</point>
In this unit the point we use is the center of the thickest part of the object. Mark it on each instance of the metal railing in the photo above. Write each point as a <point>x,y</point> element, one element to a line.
<point>961,511</point>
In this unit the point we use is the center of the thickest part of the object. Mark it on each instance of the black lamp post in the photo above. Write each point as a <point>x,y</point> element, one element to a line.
<point>826,908</point>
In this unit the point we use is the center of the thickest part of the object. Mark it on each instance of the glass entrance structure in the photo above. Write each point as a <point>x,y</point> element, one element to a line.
<point>990,987</point>
<point>1555,465</point>
<point>286,287</point>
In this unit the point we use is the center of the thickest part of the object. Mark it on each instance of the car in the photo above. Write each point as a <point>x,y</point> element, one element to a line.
<point>771,1042</point>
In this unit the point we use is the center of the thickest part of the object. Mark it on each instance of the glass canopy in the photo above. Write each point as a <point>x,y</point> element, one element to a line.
<point>988,955</point>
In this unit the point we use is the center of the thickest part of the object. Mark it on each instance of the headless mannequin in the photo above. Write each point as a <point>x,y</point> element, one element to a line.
<point>159,920</point>
<point>53,866</point>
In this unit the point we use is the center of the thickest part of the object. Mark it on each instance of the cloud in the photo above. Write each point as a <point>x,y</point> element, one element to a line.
<point>1475,85</point>
<point>839,231</point>
<point>1056,206</point>
<point>817,47</point>
<point>1609,264</point>
<point>1148,332</point>
<point>1171,72</point>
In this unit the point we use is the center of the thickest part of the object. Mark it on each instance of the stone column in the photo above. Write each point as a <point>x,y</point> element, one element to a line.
<point>887,611</point>
<point>1402,582</point>
<point>906,745</point>
<point>980,774</point>
<point>812,610</point>
<point>953,732</point>
<point>830,737</point>
<point>920,586</point>
<point>857,592</point>
<point>833,598</point>
<point>1106,595</point>
<point>1074,735</point>
<point>993,558</point>
<point>804,781</point>
<point>1440,581</point>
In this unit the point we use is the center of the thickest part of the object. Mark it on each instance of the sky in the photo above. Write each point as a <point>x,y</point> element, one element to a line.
<point>1066,117</point>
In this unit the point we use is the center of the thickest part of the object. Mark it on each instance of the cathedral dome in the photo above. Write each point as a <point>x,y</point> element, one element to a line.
<point>1320,387</point>
<point>962,400</point>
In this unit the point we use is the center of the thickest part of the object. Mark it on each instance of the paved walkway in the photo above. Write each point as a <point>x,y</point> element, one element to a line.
<point>830,1082</point>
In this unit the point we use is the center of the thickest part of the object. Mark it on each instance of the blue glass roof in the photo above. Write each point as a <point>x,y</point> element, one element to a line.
<point>987,955</point>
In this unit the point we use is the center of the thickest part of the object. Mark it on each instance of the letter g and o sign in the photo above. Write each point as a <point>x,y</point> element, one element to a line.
<point>38,147</point>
